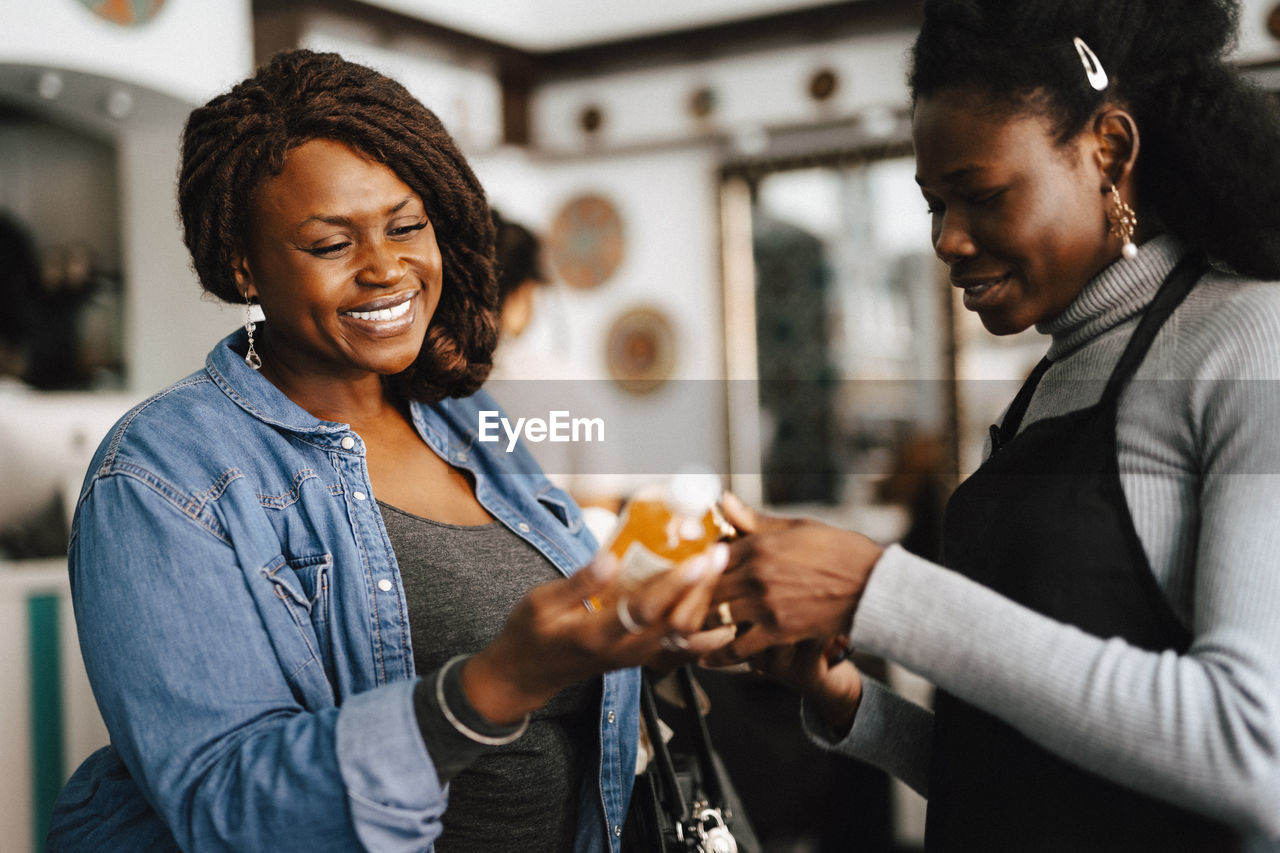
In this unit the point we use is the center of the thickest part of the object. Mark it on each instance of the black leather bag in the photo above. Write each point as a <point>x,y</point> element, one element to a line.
<point>684,802</point>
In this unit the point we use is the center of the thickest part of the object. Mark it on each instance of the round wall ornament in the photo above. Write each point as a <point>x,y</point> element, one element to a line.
<point>1273,21</point>
<point>823,84</point>
<point>126,13</point>
<point>585,243</point>
<point>641,349</point>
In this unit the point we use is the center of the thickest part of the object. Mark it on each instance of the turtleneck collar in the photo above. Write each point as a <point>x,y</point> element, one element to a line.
<point>1118,293</point>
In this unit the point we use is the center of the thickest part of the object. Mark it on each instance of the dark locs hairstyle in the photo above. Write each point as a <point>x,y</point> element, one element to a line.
<point>242,137</point>
<point>1209,156</point>
<point>517,251</point>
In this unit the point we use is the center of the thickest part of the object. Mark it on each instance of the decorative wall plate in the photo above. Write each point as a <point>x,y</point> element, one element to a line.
<point>591,119</point>
<point>126,13</point>
<point>823,84</point>
<point>702,102</point>
<point>641,349</point>
<point>585,243</point>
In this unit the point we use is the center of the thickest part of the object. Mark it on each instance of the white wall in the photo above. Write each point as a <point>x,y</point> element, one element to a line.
<point>191,49</point>
<point>1256,44</point>
<point>766,89</point>
<point>170,323</point>
<point>667,202</point>
<point>467,99</point>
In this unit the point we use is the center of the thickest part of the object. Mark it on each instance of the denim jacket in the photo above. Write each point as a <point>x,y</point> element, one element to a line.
<point>244,628</point>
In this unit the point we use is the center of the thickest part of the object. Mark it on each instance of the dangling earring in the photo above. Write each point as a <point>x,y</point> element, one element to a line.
<point>251,358</point>
<point>1122,221</point>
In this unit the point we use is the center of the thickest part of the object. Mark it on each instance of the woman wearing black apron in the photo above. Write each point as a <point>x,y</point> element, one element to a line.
<point>1102,626</point>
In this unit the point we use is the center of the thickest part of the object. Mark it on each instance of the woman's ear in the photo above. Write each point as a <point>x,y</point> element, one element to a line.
<point>1118,142</point>
<point>243,276</point>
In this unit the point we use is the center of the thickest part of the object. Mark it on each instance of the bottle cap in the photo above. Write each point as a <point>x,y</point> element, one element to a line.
<point>694,490</point>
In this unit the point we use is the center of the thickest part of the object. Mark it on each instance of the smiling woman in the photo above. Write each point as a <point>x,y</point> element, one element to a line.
<point>1101,623</point>
<point>346,267</point>
<point>316,613</point>
<point>991,183</point>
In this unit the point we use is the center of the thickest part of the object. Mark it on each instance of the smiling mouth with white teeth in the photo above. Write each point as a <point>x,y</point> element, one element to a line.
<point>383,315</point>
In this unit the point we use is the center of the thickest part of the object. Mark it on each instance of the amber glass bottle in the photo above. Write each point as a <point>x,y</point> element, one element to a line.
<point>667,522</point>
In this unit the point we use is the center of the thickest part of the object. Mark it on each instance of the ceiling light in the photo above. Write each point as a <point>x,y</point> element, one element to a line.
<point>119,104</point>
<point>50,85</point>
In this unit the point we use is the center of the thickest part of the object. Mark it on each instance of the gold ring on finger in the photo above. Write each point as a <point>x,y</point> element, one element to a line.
<point>726,615</point>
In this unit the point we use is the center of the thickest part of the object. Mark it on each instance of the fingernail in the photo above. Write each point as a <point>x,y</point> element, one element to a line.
<point>719,556</point>
<point>731,502</point>
<point>604,566</point>
<point>696,567</point>
<point>723,635</point>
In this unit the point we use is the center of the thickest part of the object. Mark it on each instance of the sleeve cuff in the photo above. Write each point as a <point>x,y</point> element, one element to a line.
<point>392,789</point>
<point>888,732</point>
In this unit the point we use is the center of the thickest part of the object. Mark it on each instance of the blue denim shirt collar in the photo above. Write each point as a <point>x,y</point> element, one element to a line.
<point>250,390</point>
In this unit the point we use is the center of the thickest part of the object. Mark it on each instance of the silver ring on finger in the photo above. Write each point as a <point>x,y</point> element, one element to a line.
<point>674,642</point>
<point>629,623</point>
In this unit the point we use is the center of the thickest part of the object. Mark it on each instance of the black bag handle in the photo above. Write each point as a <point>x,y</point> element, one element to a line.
<point>671,796</point>
<point>711,782</point>
<point>713,785</point>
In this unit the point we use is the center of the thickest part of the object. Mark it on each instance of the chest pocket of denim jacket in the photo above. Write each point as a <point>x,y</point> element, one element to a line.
<point>557,500</point>
<point>302,586</point>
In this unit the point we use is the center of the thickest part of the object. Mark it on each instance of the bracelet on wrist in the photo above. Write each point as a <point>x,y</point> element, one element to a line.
<point>461,727</point>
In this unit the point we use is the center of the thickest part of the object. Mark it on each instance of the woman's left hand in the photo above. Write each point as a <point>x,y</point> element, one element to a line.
<point>550,640</point>
<point>820,672</point>
<point>791,579</point>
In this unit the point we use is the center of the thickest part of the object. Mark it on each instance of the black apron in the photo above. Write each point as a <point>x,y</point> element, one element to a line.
<point>1044,522</point>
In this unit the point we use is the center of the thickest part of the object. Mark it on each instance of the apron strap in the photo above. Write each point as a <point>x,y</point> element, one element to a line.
<point>1175,288</point>
<point>1171,293</point>
<point>1008,428</point>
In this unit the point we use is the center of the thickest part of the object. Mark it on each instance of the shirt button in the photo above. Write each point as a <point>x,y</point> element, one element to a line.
<point>462,456</point>
<point>384,585</point>
<point>612,716</point>
<point>348,442</point>
<point>358,495</point>
<point>617,831</point>
<point>524,528</point>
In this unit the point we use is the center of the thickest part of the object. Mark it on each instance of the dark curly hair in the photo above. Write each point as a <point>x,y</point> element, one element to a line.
<point>240,138</point>
<point>1209,164</point>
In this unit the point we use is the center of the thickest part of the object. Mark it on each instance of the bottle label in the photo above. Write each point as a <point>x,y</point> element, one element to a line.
<point>639,564</point>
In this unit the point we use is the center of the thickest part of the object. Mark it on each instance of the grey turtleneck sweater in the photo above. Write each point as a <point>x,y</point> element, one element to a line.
<point>1199,453</point>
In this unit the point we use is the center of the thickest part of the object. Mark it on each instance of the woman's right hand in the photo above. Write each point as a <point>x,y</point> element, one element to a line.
<point>820,673</point>
<point>551,640</point>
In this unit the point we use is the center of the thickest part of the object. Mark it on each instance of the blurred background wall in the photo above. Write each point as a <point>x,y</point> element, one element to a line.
<point>739,264</point>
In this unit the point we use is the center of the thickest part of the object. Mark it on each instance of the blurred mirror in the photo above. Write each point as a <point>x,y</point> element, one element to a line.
<point>60,257</point>
<point>849,346</point>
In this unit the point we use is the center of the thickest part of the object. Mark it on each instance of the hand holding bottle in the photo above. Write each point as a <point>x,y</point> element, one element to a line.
<point>551,640</point>
<point>790,579</point>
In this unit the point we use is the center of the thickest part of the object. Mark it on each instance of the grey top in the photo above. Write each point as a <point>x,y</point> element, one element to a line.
<point>1199,456</point>
<point>460,584</point>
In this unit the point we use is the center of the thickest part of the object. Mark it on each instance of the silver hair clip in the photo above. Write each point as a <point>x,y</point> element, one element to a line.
<point>1093,69</point>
